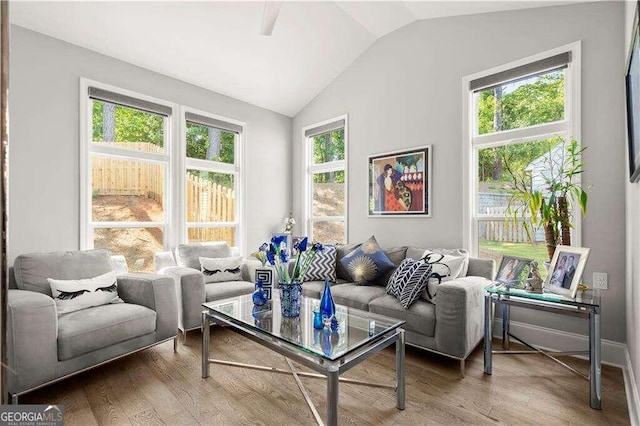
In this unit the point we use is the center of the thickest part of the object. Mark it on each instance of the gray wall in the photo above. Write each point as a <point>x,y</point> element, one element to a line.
<point>406,91</point>
<point>44,158</point>
<point>633,245</point>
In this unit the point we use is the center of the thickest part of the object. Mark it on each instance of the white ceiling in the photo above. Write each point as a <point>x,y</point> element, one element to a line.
<point>218,46</point>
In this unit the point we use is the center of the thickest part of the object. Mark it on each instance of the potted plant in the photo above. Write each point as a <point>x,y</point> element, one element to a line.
<point>551,204</point>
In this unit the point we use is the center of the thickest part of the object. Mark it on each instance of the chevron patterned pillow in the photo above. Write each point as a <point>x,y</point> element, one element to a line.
<point>400,276</point>
<point>323,265</point>
<point>415,284</point>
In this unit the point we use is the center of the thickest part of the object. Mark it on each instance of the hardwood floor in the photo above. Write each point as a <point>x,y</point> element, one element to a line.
<point>158,386</point>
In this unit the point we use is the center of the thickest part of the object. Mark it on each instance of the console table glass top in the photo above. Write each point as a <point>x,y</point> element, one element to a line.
<point>583,298</point>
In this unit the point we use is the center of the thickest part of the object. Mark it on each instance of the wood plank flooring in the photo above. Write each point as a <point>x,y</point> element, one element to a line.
<point>158,386</point>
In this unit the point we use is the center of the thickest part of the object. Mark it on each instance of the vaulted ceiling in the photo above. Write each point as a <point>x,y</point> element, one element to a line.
<point>218,46</point>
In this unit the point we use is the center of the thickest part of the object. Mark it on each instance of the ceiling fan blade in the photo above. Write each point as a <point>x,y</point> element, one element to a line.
<point>269,16</point>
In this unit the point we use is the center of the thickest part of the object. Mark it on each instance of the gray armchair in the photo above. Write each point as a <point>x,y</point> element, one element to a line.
<point>192,290</point>
<point>43,347</point>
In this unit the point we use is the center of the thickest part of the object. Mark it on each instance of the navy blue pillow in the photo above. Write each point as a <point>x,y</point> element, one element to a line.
<point>367,263</point>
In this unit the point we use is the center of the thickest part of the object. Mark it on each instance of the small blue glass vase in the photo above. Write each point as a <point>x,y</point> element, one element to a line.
<point>260,296</point>
<point>317,320</point>
<point>327,305</point>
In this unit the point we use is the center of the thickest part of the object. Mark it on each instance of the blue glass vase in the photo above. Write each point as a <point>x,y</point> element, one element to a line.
<point>327,305</point>
<point>290,298</point>
<point>260,296</point>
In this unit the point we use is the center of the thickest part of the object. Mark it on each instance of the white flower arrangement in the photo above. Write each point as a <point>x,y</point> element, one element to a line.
<point>288,223</point>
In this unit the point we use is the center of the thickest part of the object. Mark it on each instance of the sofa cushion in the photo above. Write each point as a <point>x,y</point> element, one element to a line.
<point>221,269</point>
<point>356,296</point>
<point>367,263</point>
<point>32,270</point>
<point>74,295</point>
<point>341,251</point>
<point>395,255</point>
<point>188,255</point>
<point>322,265</point>
<point>420,317</point>
<point>314,289</point>
<point>446,267</point>
<point>99,327</point>
<point>222,290</point>
<point>417,253</point>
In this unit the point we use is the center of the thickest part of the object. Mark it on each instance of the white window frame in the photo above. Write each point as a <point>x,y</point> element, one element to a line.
<point>235,169</point>
<point>332,166</point>
<point>174,158</point>
<point>472,142</point>
<point>88,149</point>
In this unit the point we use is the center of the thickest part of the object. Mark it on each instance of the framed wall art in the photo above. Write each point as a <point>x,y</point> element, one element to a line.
<point>633,107</point>
<point>400,183</point>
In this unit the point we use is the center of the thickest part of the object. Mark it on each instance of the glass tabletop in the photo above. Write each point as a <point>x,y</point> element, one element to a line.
<point>356,328</point>
<point>583,298</point>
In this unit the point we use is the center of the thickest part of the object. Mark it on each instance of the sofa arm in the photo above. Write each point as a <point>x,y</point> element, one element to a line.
<point>156,292</point>
<point>459,311</point>
<point>191,294</point>
<point>481,268</point>
<point>32,339</point>
<point>249,267</point>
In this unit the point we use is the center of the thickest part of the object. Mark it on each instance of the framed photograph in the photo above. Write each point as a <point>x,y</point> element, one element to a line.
<point>513,271</point>
<point>400,183</point>
<point>633,106</point>
<point>566,270</point>
<point>288,239</point>
<point>294,242</point>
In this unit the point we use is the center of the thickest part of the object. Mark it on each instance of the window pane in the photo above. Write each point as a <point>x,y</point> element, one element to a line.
<point>328,147</point>
<point>497,238</point>
<point>124,127</point>
<point>501,167</point>
<point>210,143</point>
<point>329,232</point>
<point>137,245</point>
<point>210,197</point>
<point>328,194</point>
<point>535,100</point>
<point>126,190</point>
<point>212,234</point>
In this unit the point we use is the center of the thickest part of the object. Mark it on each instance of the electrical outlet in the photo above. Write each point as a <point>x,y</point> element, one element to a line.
<point>600,280</point>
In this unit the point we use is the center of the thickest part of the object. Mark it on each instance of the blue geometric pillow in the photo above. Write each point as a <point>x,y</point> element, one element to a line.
<point>367,263</point>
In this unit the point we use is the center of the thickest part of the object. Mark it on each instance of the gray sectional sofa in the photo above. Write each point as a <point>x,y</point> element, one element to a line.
<point>44,347</point>
<point>184,268</point>
<point>450,326</point>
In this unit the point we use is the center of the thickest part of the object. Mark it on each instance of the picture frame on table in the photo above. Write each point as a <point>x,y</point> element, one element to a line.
<point>288,239</point>
<point>513,271</point>
<point>294,242</point>
<point>400,183</point>
<point>566,270</point>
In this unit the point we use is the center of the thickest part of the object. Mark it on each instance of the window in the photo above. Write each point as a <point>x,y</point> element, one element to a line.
<point>212,179</point>
<point>134,175</point>
<point>326,185</point>
<point>518,117</point>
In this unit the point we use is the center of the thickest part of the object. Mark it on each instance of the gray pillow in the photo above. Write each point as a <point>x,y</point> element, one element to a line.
<point>188,255</point>
<point>32,270</point>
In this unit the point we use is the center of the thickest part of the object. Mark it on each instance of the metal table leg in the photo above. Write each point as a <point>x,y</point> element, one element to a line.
<point>333,375</point>
<point>400,383</point>
<point>488,344</point>
<point>595,360</point>
<point>206,331</point>
<point>506,312</point>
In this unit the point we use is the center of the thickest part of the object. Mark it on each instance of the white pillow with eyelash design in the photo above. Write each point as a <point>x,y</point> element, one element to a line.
<point>74,295</point>
<point>221,269</point>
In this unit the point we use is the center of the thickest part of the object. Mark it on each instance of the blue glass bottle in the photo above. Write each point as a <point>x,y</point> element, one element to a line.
<point>260,296</point>
<point>327,305</point>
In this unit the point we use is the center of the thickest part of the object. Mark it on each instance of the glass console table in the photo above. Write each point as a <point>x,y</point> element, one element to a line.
<point>585,305</point>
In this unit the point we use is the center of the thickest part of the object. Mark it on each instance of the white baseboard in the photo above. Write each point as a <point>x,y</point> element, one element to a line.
<point>612,353</point>
<point>631,389</point>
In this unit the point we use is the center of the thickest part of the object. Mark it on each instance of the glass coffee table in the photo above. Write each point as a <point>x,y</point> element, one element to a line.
<point>359,335</point>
